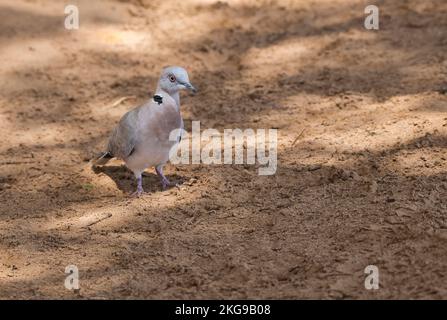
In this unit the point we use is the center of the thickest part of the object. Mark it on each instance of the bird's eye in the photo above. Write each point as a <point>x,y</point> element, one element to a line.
<point>172,78</point>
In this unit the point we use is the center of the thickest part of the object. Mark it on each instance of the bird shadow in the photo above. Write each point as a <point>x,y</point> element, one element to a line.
<point>126,182</point>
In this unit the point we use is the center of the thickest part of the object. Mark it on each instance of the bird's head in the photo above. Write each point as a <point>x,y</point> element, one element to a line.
<point>173,79</point>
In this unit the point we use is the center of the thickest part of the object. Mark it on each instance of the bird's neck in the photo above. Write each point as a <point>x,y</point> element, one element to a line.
<point>175,95</point>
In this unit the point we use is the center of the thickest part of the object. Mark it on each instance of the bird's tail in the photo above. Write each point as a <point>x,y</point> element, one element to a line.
<point>101,159</point>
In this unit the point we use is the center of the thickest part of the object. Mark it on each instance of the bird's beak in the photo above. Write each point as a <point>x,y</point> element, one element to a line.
<point>190,87</point>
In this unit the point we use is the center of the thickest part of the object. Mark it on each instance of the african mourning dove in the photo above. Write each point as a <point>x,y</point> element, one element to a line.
<point>141,137</point>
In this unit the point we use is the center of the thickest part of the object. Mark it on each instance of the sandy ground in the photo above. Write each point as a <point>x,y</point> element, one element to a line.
<point>365,182</point>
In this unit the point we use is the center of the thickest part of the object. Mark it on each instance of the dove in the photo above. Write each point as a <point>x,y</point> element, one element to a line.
<point>141,138</point>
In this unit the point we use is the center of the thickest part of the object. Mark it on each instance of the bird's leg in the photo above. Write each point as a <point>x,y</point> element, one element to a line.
<point>140,190</point>
<point>164,181</point>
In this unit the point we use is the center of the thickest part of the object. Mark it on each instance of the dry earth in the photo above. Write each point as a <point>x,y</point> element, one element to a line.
<point>365,182</point>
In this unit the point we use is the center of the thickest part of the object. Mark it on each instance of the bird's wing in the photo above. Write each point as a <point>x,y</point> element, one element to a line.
<point>124,136</point>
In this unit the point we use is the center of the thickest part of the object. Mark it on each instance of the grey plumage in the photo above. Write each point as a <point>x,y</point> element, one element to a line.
<point>124,136</point>
<point>141,137</point>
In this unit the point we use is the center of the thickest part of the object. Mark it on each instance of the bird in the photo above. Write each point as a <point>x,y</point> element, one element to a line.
<point>141,137</point>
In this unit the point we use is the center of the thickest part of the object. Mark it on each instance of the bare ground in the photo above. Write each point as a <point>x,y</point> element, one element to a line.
<point>364,184</point>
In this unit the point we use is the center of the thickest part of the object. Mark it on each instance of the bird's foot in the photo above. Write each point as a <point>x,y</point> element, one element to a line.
<point>138,193</point>
<point>165,183</point>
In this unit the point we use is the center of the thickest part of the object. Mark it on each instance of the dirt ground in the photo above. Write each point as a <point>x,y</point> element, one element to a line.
<point>362,171</point>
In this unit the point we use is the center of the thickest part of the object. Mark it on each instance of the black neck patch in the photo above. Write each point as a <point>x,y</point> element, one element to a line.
<point>158,98</point>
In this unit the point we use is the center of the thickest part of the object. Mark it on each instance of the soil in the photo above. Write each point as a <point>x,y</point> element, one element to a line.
<point>361,178</point>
